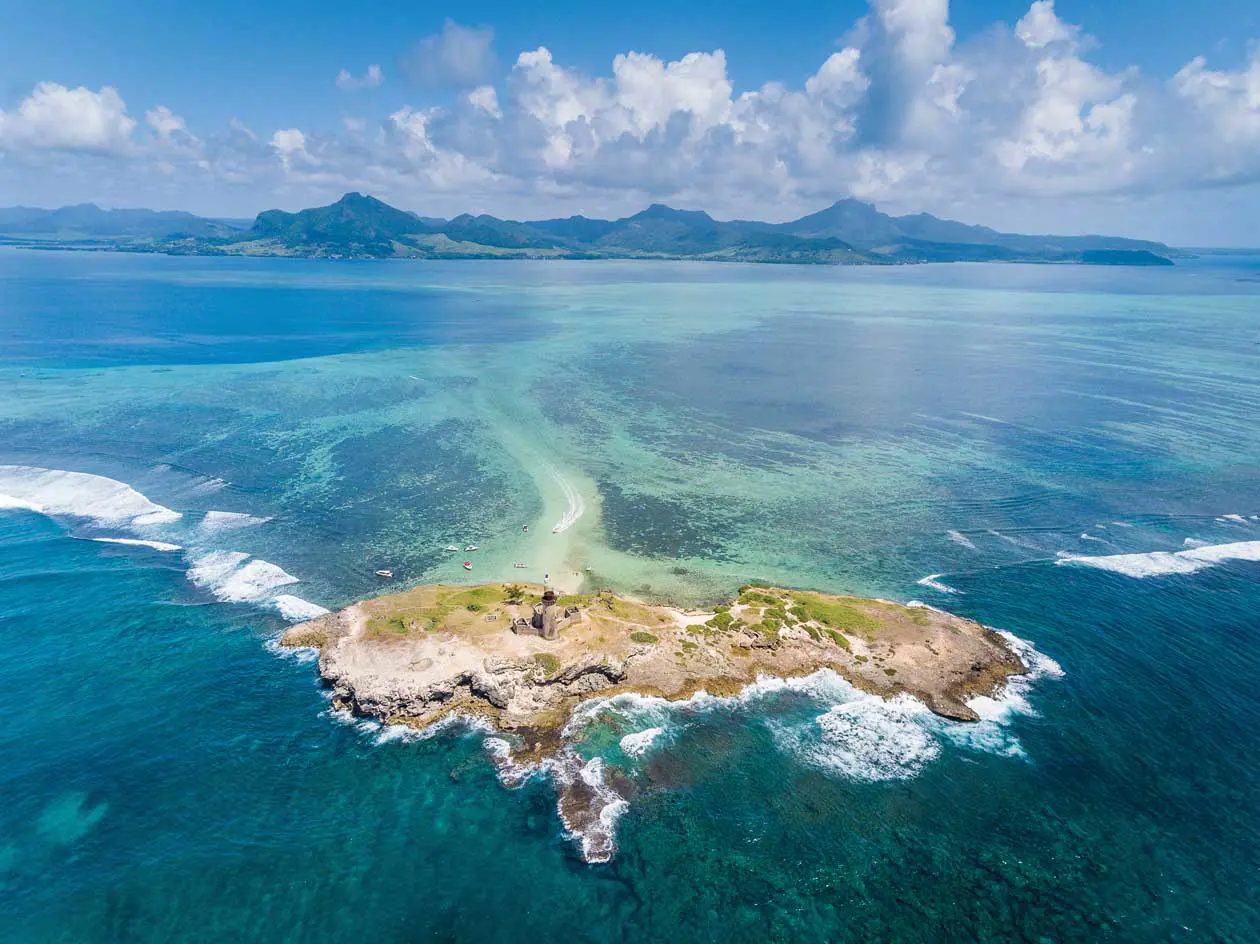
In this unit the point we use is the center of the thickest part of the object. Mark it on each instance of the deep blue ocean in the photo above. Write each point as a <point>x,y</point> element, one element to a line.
<point>1068,454</point>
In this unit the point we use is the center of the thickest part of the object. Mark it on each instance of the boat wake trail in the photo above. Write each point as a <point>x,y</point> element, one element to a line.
<point>576,504</point>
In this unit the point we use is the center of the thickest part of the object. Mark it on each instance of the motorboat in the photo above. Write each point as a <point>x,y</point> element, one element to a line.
<point>451,547</point>
<point>525,528</point>
<point>471,547</point>
<point>467,565</point>
<point>519,566</point>
<point>385,573</point>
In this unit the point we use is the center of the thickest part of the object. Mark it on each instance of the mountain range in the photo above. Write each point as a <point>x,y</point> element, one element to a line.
<point>363,227</point>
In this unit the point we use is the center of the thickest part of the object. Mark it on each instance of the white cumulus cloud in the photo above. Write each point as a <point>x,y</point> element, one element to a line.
<point>59,118</point>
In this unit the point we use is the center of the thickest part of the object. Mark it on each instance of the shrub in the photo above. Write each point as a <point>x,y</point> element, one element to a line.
<point>514,593</point>
<point>721,620</point>
<point>641,636</point>
<point>473,607</point>
<point>842,641</point>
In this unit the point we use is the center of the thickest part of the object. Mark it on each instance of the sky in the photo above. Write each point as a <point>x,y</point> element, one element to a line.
<point>1116,116</point>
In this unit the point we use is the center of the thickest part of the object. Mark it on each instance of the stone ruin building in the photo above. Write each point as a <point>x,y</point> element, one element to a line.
<point>547,619</point>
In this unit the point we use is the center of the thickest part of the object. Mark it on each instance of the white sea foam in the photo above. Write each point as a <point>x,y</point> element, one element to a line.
<point>866,738</point>
<point>593,823</point>
<point>576,505</point>
<point>217,521</point>
<point>99,499</point>
<point>211,485</point>
<point>1232,519</point>
<point>137,542</point>
<point>9,502</point>
<point>297,609</point>
<point>931,582</point>
<point>1195,542</point>
<point>640,742</point>
<point>1011,540</point>
<point>296,653</point>
<point>1162,563</point>
<point>252,582</point>
<point>1086,536</point>
<point>234,578</point>
<point>959,538</point>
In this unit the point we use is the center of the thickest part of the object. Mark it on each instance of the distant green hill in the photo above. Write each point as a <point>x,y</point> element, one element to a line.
<point>362,227</point>
<point>87,220</point>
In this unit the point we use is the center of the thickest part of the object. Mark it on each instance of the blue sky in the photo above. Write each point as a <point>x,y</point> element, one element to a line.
<point>1071,115</point>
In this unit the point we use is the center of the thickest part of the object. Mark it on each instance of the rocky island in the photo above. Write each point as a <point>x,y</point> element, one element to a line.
<point>522,659</point>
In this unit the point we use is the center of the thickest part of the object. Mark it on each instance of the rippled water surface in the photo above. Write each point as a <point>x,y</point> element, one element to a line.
<point>1069,454</point>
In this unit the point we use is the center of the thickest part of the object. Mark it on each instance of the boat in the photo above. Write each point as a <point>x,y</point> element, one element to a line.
<point>467,565</point>
<point>556,529</point>
<point>519,566</point>
<point>471,547</point>
<point>451,547</point>
<point>384,573</point>
<point>525,527</point>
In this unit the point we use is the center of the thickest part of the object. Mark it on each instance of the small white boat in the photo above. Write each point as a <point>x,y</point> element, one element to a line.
<point>556,529</point>
<point>384,573</point>
<point>524,527</point>
<point>471,547</point>
<point>467,565</point>
<point>519,566</point>
<point>451,547</point>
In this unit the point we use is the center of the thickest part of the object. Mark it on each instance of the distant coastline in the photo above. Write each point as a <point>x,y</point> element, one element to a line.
<point>849,232</point>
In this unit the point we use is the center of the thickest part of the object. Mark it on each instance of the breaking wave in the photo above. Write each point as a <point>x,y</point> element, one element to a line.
<point>961,539</point>
<point>1162,563</point>
<point>103,501</point>
<point>232,576</point>
<point>138,542</point>
<point>216,521</point>
<point>932,583</point>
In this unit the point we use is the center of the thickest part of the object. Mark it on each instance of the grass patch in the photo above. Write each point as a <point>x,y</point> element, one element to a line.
<point>641,636</point>
<point>890,671</point>
<point>549,663</point>
<point>838,614</point>
<point>748,597</point>
<point>842,641</point>
<point>721,620</point>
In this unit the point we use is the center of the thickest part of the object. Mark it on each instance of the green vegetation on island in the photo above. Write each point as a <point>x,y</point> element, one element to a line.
<point>849,232</point>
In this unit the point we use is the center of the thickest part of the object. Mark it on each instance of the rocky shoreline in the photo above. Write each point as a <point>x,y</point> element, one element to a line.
<point>419,657</point>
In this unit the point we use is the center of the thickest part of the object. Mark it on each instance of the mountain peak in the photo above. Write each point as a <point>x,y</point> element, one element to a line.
<point>659,211</point>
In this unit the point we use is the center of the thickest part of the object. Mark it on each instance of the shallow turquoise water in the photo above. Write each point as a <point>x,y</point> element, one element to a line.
<point>167,776</point>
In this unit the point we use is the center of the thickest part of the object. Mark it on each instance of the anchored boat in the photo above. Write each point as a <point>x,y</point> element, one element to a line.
<point>384,573</point>
<point>467,565</point>
<point>471,547</point>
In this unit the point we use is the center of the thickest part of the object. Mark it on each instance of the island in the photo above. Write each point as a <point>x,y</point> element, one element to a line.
<point>522,658</point>
<point>359,226</point>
